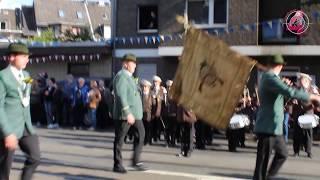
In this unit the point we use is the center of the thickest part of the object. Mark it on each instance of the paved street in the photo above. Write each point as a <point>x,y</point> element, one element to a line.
<point>68,154</point>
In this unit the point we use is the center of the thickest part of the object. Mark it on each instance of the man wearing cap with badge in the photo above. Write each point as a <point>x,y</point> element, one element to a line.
<point>158,97</point>
<point>170,115</point>
<point>270,117</point>
<point>15,120</point>
<point>127,112</point>
<point>147,105</point>
<point>302,136</point>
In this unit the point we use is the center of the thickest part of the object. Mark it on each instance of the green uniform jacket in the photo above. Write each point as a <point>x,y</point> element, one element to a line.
<point>14,117</point>
<point>271,112</point>
<point>127,97</point>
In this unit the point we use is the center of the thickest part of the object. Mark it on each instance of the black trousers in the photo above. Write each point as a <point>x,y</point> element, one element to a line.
<point>200,134</point>
<point>302,137</point>
<point>187,131</point>
<point>148,132</point>
<point>121,130</point>
<point>171,122</point>
<point>267,143</point>
<point>79,112</point>
<point>157,128</point>
<point>29,144</point>
<point>233,136</point>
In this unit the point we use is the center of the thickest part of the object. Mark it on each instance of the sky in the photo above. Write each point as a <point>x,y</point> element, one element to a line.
<point>11,4</point>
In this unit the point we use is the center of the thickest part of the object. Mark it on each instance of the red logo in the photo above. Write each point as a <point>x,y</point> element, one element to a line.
<point>297,22</point>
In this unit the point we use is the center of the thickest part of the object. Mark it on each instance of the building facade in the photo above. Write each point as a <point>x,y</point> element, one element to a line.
<point>256,28</point>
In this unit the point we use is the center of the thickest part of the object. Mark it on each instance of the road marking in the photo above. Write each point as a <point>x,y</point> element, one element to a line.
<point>196,176</point>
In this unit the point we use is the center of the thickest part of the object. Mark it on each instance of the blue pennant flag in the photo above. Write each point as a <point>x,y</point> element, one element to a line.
<point>158,39</point>
<point>253,27</point>
<point>138,40</point>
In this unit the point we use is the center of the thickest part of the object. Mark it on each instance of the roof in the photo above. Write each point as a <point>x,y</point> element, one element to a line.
<point>71,11</point>
<point>29,26</point>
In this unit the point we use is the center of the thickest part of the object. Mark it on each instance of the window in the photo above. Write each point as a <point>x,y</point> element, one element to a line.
<point>79,15</point>
<point>148,19</point>
<point>146,71</point>
<point>272,30</point>
<point>208,13</point>
<point>61,13</point>
<point>3,25</point>
<point>79,69</point>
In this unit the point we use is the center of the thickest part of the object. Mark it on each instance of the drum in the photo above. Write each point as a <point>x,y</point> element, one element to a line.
<point>239,121</point>
<point>308,121</point>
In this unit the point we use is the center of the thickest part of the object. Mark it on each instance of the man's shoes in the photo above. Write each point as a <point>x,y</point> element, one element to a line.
<point>296,154</point>
<point>139,166</point>
<point>310,155</point>
<point>119,169</point>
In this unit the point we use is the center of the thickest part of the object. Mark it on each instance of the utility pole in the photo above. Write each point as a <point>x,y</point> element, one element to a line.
<point>85,2</point>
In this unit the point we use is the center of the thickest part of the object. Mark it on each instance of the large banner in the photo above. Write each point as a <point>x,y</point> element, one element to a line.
<point>210,78</point>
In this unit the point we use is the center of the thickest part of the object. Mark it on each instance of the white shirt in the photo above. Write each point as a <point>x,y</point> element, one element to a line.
<point>18,74</point>
<point>129,73</point>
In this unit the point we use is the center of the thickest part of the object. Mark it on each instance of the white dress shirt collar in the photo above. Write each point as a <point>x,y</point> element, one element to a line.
<point>16,72</point>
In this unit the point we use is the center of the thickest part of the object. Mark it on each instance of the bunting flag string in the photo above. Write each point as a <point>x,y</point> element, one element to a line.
<point>270,27</point>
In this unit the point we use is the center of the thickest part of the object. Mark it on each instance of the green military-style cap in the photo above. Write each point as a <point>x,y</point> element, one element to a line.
<point>18,48</point>
<point>278,59</point>
<point>129,57</point>
<point>275,60</point>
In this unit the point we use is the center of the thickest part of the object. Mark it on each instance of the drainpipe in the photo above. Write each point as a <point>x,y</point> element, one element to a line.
<point>85,2</point>
<point>113,34</point>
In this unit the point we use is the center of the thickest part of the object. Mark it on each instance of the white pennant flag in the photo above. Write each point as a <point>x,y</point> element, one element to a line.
<point>124,40</point>
<point>131,40</point>
<point>146,39</point>
<point>153,39</point>
<point>246,27</point>
<point>162,37</point>
<point>138,40</point>
<point>269,24</point>
<point>226,30</point>
<point>216,32</point>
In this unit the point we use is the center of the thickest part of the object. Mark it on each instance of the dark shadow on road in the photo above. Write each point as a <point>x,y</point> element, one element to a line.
<point>68,176</point>
<point>77,138</point>
<point>244,176</point>
<point>233,175</point>
<point>75,133</point>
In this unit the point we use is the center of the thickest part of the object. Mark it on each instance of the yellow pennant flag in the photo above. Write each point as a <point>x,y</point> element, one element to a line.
<point>210,78</point>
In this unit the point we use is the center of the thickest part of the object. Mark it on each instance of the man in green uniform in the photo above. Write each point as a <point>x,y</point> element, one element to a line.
<point>269,124</point>
<point>127,112</point>
<point>15,120</point>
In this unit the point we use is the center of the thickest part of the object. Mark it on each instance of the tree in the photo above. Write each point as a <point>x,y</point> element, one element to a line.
<point>46,36</point>
<point>84,35</point>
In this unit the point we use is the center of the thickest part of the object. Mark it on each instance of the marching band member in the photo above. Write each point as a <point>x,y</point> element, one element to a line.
<point>147,105</point>
<point>302,136</point>
<point>158,96</point>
